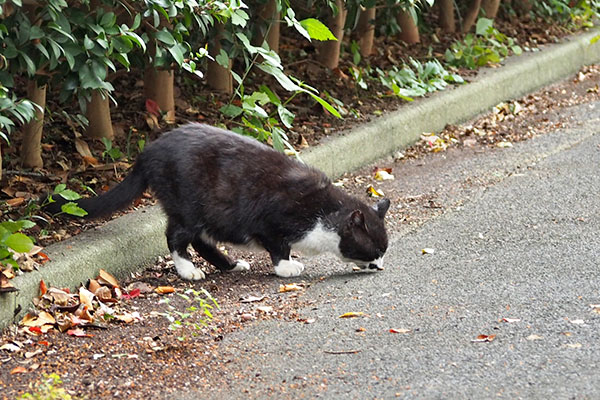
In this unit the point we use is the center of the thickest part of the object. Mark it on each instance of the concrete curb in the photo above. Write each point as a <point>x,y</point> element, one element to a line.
<point>123,245</point>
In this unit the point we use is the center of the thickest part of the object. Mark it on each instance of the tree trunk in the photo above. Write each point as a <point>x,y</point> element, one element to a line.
<point>366,31</point>
<point>523,6</point>
<point>31,147</point>
<point>98,114</point>
<point>269,16</point>
<point>159,86</point>
<point>447,20</point>
<point>471,16</point>
<point>329,51</point>
<point>218,77</point>
<point>490,7</point>
<point>410,31</point>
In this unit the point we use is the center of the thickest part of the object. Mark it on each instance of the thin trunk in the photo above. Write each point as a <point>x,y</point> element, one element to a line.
<point>31,147</point>
<point>329,51</point>
<point>490,7</point>
<point>98,114</point>
<point>159,86</point>
<point>269,16</point>
<point>523,6</point>
<point>447,20</point>
<point>471,16</point>
<point>218,77</point>
<point>410,31</point>
<point>366,31</point>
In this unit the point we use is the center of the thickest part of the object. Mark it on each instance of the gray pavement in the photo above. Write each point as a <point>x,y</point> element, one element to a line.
<point>523,246</point>
<point>126,244</point>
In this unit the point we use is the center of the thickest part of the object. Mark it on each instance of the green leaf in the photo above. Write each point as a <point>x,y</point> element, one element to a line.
<point>165,37</point>
<point>282,78</point>
<point>177,54</point>
<point>278,140</point>
<point>325,105</point>
<point>231,110</point>
<point>483,26</point>
<point>19,242</point>
<point>222,59</point>
<point>73,209</point>
<point>59,188</point>
<point>317,30</point>
<point>286,116</point>
<point>69,195</point>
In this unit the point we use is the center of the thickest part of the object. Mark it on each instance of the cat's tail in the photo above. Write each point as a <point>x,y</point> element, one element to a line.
<point>117,198</point>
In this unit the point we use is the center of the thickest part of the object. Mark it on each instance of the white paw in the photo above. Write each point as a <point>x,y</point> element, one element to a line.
<point>241,265</point>
<point>287,268</point>
<point>185,268</point>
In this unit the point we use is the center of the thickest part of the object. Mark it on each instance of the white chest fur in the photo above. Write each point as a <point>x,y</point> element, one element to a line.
<point>318,240</point>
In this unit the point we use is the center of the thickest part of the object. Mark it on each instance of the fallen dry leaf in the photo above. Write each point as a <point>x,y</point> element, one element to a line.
<point>534,337</point>
<point>93,285</point>
<point>510,320</point>
<point>252,299</point>
<point>164,289</point>
<point>132,294</point>
<point>17,201</point>
<point>43,288</point>
<point>82,148</point>
<point>12,347</point>
<point>104,278</point>
<point>484,338</point>
<point>18,370</point>
<point>289,287</point>
<point>371,191</point>
<point>573,345</point>
<point>39,320</point>
<point>86,297</point>
<point>383,174</point>
<point>427,250</point>
<point>394,330</point>
<point>78,332</point>
<point>352,314</point>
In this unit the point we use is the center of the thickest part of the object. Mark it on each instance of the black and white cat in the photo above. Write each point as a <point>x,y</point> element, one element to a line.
<point>217,186</point>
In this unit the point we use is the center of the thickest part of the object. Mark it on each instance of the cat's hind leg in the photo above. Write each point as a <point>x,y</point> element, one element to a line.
<point>178,239</point>
<point>210,253</point>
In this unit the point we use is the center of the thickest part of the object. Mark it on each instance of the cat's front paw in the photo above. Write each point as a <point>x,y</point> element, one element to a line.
<point>186,270</point>
<point>288,268</point>
<point>241,265</point>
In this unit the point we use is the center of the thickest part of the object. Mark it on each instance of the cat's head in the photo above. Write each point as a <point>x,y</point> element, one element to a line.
<point>363,239</point>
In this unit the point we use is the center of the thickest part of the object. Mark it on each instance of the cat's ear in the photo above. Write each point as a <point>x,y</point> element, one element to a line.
<point>357,218</point>
<point>381,207</point>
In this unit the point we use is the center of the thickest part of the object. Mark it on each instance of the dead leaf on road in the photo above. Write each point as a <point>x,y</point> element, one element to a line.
<point>105,278</point>
<point>78,332</point>
<point>510,320</point>
<point>353,314</point>
<point>164,289</point>
<point>484,338</point>
<point>534,337</point>
<point>18,370</point>
<point>252,299</point>
<point>289,287</point>
<point>394,330</point>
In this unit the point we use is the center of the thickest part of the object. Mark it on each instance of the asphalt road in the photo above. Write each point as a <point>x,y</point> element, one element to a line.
<point>522,246</point>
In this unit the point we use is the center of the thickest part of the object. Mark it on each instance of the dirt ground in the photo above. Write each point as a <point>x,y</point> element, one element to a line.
<point>145,359</point>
